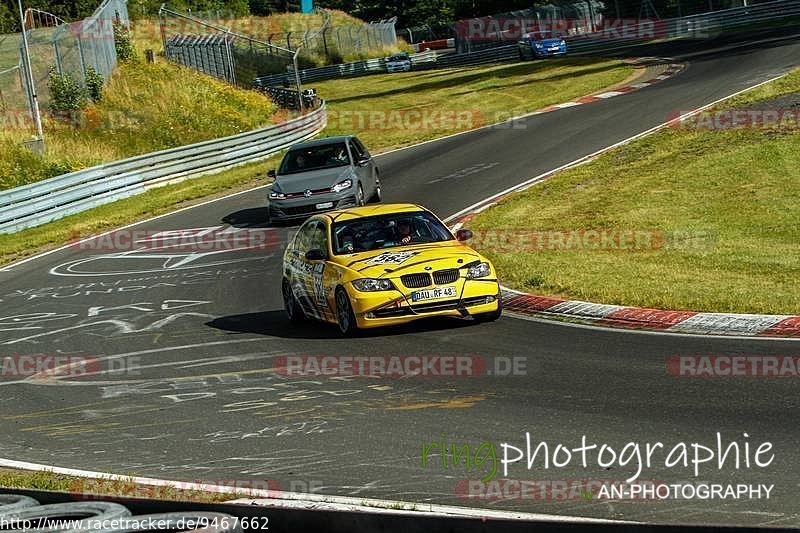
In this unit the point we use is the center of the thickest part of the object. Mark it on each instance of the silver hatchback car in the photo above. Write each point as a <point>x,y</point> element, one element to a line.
<point>321,175</point>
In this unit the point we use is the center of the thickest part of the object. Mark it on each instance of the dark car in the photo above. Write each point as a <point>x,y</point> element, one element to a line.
<point>321,175</point>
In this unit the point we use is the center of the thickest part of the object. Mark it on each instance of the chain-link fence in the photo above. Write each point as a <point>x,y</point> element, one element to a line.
<point>12,97</point>
<point>69,48</point>
<point>219,51</point>
<point>322,45</point>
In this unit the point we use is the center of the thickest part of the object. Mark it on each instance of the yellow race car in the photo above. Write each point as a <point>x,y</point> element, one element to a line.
<point>383,265</point>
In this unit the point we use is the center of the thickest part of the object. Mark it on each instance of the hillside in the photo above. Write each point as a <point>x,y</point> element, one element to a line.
<point>145,108</point>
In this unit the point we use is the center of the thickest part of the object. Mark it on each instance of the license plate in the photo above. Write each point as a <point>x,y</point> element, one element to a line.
<point>326,205</point>
<point>433,294</point>
<point>554,49</point>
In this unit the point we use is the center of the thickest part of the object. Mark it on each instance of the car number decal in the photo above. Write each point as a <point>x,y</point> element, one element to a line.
<point>319,287</point>
<point>395,258</point>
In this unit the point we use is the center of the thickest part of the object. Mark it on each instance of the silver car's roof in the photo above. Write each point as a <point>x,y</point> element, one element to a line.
<point>322,142</point>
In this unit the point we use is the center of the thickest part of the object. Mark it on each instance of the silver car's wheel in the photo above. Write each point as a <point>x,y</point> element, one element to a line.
<point>377,196</point>
<point>360,196</point>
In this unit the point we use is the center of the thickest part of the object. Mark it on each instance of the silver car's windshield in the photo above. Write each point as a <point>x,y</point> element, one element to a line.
<point>387,231</point>
<point>315,158</point>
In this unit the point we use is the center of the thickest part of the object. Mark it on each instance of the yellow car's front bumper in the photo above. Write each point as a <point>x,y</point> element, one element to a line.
<point>387,308</point>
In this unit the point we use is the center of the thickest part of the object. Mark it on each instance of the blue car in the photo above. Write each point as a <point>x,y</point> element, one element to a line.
<point>538,45</point>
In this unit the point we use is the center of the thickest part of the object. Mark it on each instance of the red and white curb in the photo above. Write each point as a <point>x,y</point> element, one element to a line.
<point>652,319</point>
<point>672,69</point>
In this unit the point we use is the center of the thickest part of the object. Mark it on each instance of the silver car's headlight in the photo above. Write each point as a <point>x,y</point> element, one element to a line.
<point>479,270</point>
<point>342,185</point>
<point>372,284</point>
<point>276,195</point>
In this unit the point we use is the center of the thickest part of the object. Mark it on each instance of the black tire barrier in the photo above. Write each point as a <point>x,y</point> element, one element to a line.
<point>41,518</point>
<point>14,502</point>
<point>187,521</point>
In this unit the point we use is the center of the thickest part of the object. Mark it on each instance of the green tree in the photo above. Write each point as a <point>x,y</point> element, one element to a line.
<point>8,22</point>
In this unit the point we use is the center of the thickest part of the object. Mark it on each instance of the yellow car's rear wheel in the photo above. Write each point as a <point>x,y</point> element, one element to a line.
<point>290,304</point>
<point>345,317</point>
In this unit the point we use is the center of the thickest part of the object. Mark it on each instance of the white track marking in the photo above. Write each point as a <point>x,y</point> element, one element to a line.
<point>296,500</point>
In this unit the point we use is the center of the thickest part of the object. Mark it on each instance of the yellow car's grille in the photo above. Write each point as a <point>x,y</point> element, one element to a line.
<point>442,277</point>
<point>415,281</point>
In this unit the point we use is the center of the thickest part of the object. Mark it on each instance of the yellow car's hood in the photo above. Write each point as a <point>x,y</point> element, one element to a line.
<point>392,262</point>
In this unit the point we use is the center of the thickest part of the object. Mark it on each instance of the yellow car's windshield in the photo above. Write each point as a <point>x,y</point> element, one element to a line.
<point>387,231</point>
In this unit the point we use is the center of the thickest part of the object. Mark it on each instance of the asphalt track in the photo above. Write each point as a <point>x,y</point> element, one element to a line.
<point>203,332</point>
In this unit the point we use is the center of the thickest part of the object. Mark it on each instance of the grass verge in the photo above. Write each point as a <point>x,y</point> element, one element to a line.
<point>503,90</point>
<point>386,111</point>
<point>721,208</point>
<point>49,481</point>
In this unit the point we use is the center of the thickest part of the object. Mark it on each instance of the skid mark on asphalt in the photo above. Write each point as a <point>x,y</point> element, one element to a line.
<point>455,403</point>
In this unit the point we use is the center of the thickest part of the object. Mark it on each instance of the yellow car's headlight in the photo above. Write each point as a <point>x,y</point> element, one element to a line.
<point>372,284</point>
<point>478,270</point>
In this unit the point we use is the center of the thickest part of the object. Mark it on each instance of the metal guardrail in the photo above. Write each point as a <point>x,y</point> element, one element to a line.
<point>344,70</point>
<point>491,55</point>
<point>54,198</point>
<point>699,26</point>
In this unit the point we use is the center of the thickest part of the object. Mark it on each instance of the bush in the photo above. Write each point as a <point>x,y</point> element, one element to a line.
<point>94,85</point>
<point>335,57</point>
<point>123,42</point>
<point>66,94</point>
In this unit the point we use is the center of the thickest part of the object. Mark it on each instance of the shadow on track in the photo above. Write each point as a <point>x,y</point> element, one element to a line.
<point>275,324</point>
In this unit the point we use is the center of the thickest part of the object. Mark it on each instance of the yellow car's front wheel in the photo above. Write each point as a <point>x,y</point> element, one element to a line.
<point>491,316</point>
<point>344,313</point>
